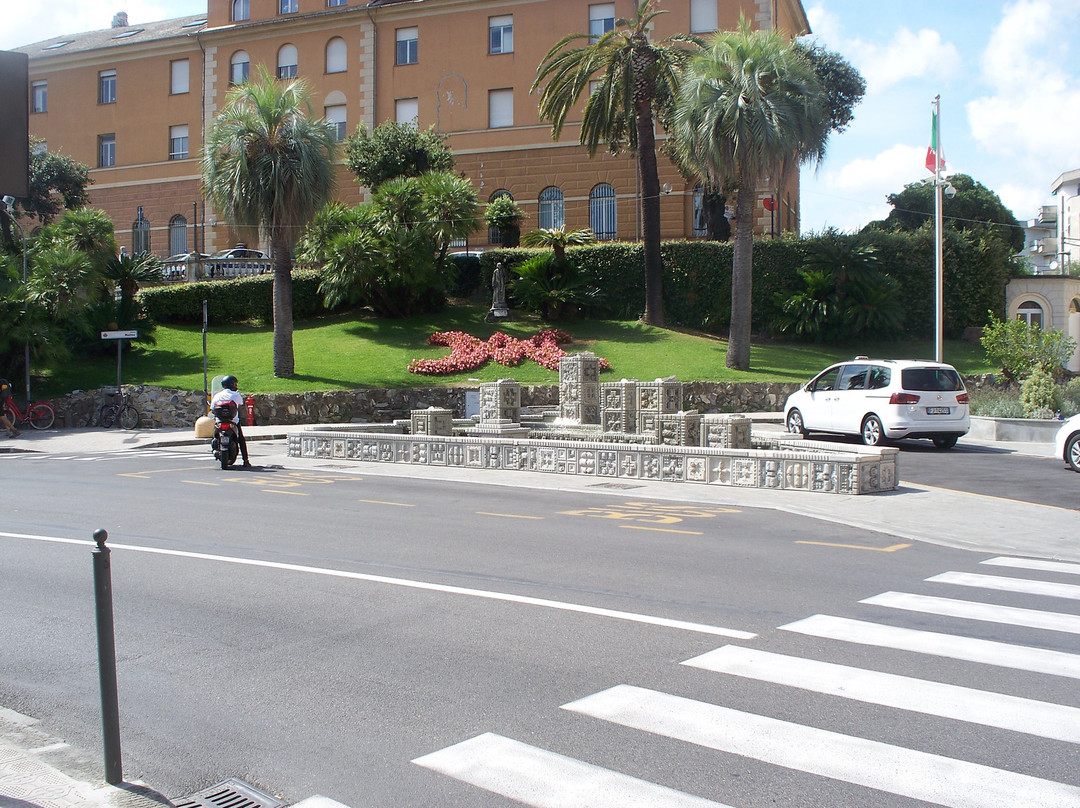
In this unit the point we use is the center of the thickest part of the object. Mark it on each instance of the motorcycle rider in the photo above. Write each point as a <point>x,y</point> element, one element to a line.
<point>228,393</point>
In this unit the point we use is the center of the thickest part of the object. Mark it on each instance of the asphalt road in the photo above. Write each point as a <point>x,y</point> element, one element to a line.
<point>317,632</point>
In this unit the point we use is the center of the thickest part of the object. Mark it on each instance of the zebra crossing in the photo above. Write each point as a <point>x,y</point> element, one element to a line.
<point>534,776</point>
<point>99,457</point>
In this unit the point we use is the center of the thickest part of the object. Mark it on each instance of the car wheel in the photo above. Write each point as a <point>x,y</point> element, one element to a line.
<point>873,434</point>
<point>795,424</point>
<point>1072,452</point>
<point>946,442</point>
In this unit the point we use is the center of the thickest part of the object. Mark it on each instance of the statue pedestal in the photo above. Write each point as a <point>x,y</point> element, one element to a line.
<point>497,314</point>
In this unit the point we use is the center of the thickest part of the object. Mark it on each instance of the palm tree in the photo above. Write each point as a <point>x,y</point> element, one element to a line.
<point>450,208</point>
<point>558,239</point>
<point>128,271</point>
<point>750,107</point>
<point>268,163</point>
<point>636,77</point>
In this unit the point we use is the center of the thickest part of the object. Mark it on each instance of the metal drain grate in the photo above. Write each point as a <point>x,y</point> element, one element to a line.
<point>231,793</point>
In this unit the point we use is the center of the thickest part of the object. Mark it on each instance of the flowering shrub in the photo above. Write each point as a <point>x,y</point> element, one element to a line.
<point>468,352</point>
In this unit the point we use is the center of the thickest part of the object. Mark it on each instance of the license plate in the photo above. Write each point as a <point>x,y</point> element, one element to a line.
<point>938,410</point>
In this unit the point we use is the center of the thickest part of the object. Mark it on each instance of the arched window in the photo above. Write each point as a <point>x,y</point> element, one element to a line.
<point>287,59</point>
<point>602,211</point>
<point>699,211</point>
<point>241,10</point>
<point>1031,313</point>
<point>239,68</point>
<point>177,235</point>
<point>552,210</point>
<point>494,235</point>
<point>337,55</point>
<point>335,112</point>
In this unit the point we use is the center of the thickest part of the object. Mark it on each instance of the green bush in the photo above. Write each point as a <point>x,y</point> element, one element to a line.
<point>238,300</point>
<point>1039,392</point>
<point>997,404</point>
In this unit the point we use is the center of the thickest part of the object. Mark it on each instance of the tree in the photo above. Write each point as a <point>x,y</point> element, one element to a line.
<point>450,206</point>
<point>1020,348</point>
<point>974,208</point>
<point>844,86</point>
<point>395,150</point>
<point>268,163</point>
<point>56,181</point>
<point>505,215</point>
<point>751,106</point>
<point>637,77</point>
<point>558,239</point>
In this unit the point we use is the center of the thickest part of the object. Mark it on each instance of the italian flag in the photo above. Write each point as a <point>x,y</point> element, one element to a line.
<point>933,154</point>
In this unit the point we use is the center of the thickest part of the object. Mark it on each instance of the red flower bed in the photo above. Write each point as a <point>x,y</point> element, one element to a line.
<point>468,352</point>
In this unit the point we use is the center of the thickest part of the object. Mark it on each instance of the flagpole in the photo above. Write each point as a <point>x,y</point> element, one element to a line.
<point>939,263</point>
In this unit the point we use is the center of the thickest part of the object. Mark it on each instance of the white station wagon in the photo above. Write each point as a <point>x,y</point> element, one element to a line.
<point>881,399</point>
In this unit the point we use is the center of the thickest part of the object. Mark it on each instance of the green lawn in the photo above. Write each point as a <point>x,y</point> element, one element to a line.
<point>352,350</point>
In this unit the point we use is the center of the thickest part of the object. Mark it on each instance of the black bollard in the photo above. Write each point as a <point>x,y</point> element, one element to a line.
<point>110,709</point>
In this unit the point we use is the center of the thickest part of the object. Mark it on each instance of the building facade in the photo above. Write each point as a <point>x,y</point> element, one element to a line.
<point>134,101</point>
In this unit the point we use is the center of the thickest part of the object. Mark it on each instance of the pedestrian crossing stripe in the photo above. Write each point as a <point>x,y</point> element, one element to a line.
<point>970,649</point>
<point>873,764</point>
<point>1023,586</point>
<point>545,779</point>
<point>1034,564</point>
<point>998,710</point>
<point>970,610</point>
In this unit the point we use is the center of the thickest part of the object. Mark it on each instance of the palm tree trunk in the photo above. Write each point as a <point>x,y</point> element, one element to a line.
<point>738,351</point>
<point>650,214</point>
<point>284,364</point>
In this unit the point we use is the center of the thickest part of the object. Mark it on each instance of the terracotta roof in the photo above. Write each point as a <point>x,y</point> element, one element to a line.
<point>115,37</point>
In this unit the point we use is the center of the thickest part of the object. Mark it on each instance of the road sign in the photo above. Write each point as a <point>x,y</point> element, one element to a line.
<point>120,334</point>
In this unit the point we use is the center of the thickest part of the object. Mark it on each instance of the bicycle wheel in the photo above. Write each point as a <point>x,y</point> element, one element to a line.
<point>106,416</point>
<point>128,417</point>
<point>41,416</point>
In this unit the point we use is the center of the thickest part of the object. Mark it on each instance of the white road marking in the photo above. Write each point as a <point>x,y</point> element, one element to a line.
<point>989,652</point>
<point>595,611</point>
<point>1035,564</point>
<point>892,769</point>
<point>1021,585</point>
<point>545,779</point>
<point>902,692</point>
<point>970,610</point>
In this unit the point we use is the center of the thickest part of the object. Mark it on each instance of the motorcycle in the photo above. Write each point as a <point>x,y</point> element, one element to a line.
<point>225,443</point>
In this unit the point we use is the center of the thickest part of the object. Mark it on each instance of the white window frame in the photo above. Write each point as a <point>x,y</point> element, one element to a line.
<point>235,62</point>
<point>39,93</point>
<point>603,211</point>
<point>407,47</point>
<point>601,19</point>
<point>703,16</point>
<point>1031,313</point>
<point>240,10</point>
<point>501,34</point>
<point>407,110</point>
<point>107,150</point>
<point>337,55</point>
<point>178,142</point>
<point>179,76</point>
<point>106,86</point>
<point>336,3</point>
<point>552,208</point>
<point>337,115</point>
<point>288,61</point>
<point>288,6</point>
<point>501,108</point>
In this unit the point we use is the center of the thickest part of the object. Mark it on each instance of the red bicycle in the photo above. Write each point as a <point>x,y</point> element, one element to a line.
<point>40,414</point>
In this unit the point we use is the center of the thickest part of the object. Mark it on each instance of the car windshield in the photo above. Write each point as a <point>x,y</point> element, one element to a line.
<point>931,379</point>
<point>221,254</point>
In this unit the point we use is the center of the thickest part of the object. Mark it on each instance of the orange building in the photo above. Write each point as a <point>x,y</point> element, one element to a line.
<point>133,102</point>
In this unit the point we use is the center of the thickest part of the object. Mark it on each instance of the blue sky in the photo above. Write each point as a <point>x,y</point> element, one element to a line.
<point>1008,77</point>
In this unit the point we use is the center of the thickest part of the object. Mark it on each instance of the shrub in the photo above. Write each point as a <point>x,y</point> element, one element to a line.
<point>997,404</point>
<point>1020,349</point>
<point>1039,392</point>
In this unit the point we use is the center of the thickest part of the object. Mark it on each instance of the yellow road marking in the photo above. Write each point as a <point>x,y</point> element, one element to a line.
<point>383,502</point>
<point>892,549</point>
<point>663,530</point>
<point>198,482</point>
<point>290,493</point>
<point>507,515</point>
<point>143,474</point>
<point>989,496</point>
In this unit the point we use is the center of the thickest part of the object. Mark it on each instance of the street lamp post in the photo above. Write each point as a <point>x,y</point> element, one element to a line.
<point>939,261</point>
<point>9,205</point>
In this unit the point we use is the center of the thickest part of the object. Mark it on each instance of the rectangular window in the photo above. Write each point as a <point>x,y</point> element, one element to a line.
<point>500,108</point>
<point>178,142</point>
<point>241,10</point>
<point>106,151</point>
<point>40,93</point>
<point>335,116</point>
<point>500,34</point>
<point>407,51</point>
<point>287,71</point>
<point>179,82</point>
<point>334,3</point>
<point>407,110</point>
<point>703,17</point>
<point>287,6</point>
<point>601,19</point>
<point>107,87</point>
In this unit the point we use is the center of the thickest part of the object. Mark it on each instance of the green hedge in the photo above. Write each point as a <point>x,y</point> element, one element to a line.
<point>232,301</point>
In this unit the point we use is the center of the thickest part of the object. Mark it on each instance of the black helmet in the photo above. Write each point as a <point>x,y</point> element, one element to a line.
<point>230,383</point>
